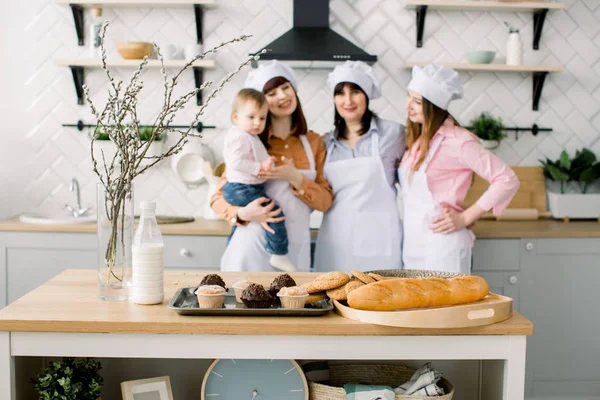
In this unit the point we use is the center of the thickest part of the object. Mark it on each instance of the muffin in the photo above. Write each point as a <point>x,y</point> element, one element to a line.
<point>210,296</point>
<point>281,281</point>
<point>293,297</point>
<point>255,296</point>
<point>213,279</point>
<point>238,288</point>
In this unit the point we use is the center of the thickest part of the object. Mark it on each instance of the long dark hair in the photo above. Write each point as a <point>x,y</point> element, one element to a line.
<point>299,126</point>
<point>340,123</point>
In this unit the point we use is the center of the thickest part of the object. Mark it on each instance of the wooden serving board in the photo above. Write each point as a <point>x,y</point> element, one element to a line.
<point>489,310</point>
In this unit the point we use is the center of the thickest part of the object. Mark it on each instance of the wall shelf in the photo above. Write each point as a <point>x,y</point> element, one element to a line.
<point>77,7</point>
<point>538,72</point>
<point>77,70</point>
<point>539,10</point>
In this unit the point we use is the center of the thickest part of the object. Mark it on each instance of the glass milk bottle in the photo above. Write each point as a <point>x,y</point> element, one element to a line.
<point>95,37</point>
<point>147,258</point>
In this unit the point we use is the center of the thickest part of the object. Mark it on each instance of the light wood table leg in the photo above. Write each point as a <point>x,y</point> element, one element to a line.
<point>7,369</point>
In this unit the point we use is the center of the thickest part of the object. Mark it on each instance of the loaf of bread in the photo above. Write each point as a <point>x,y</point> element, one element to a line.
<point>405,293</point>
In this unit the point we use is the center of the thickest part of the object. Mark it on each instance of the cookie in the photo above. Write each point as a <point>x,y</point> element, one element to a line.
<point>361,276</point>
<point>377,277</point>
<point>339,293</point>
<point>350,286</point>
<point>327,281</point>
<point>315,297</point>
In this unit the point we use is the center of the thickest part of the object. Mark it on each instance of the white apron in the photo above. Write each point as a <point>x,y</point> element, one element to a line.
<point>423,249</point>
<point>362,229</point>
<point>246,249</point>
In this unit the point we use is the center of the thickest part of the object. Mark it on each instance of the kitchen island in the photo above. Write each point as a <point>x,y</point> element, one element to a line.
<point>65,317</point>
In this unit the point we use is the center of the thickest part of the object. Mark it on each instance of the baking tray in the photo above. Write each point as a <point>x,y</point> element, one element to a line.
<point>185,302</point>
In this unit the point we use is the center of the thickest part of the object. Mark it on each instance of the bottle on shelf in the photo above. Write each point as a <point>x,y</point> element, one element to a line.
<point>95,39</point>
<point>147,258</point>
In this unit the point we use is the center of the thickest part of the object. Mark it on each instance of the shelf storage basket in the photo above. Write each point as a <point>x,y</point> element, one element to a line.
<point>370,374</point>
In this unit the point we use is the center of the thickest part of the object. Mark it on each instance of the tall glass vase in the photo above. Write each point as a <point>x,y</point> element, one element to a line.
<point>115,237</point>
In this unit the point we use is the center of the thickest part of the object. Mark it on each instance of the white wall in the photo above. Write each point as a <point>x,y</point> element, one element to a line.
<point>39,157</point>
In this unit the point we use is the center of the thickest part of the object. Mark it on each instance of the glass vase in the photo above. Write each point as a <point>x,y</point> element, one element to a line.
<point>115,237</point>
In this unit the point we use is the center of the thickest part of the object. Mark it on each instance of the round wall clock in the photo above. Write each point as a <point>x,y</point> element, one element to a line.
<point>228,379</point>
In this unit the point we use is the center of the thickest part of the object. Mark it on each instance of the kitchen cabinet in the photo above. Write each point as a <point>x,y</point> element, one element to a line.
<point>32,258</point>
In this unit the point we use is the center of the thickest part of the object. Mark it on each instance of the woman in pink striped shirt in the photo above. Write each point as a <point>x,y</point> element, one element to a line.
<point>436,173</point>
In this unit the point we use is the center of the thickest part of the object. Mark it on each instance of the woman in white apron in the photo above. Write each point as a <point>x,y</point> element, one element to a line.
<point>296,183</point>
<point>436,173</point>
<point>362,229</point>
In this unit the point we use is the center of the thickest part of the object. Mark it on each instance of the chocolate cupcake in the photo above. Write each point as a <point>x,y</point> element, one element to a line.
<point>255,296</point>
<point>213,279</point>
<point>281,281</point>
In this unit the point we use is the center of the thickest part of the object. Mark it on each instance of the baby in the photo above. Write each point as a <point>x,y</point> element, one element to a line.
<point>246,156</point>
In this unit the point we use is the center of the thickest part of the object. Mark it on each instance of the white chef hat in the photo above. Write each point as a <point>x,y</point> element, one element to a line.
<point>258,77</point>
<point>356,72</point>
<point>437,83</point>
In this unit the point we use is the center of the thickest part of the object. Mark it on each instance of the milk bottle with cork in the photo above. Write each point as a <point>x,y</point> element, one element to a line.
<point>147,258</point>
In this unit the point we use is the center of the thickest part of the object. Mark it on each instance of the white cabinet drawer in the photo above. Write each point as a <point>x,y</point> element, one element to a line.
<point>194,251</point>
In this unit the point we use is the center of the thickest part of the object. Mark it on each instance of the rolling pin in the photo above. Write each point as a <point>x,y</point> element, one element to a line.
<point>516,214</point>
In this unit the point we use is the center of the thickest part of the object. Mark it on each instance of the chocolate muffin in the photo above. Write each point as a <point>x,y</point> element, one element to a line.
<point>281,281</point>
<point>255,296</point>
<point>213,279</point>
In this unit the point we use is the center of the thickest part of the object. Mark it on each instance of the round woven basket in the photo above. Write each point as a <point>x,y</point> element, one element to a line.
<point>415,273</point>
<point>370,374</point>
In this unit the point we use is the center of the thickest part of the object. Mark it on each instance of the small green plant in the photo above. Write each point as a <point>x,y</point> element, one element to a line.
<point>70,380</point>
<point>488,128</point>
<point>582,169</point>
<point>145,134</point>
<point>511,29</point>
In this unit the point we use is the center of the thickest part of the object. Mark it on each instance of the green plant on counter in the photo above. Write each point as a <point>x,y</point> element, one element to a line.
<point>70,380</point>
<point>582,169</point>
<point>488,128</point>
<point>146,133</point>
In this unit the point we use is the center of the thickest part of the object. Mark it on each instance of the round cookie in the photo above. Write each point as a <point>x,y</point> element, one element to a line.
<point>361,276</point>
<point>339,293</point>
<point>327,281</point>
<point>350,286</point>
<point>315,297</point>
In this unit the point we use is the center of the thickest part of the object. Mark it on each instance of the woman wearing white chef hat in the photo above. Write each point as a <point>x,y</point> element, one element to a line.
<point>436,173</point>
<point>296,183</point>
<point>362,229</point>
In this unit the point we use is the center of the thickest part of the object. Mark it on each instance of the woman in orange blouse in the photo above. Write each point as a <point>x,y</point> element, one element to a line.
<point>296,183</point>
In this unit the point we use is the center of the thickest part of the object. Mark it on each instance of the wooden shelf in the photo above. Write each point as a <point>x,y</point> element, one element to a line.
<point>77,70</point>
<point>539,10</point>
<point>474,5</point>
<point>89,63</point>
<point>538,72</point>
<point>136,3</point>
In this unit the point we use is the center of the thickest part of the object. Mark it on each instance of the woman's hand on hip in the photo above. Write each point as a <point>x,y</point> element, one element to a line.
<point>448,221</point>
<point>286,171</point>
<point>256,211</point>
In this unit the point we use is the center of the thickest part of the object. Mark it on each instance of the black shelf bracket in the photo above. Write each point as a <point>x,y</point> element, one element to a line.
<point>78,18</point>
<point>421,14</point>
<point>539,17</point>
<point>199,12</point>
<point>538,85</point>
<point>78,80</point>
<point>198,78</point>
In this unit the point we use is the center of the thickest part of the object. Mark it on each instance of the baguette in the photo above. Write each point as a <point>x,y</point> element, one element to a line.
<point>405,293</point>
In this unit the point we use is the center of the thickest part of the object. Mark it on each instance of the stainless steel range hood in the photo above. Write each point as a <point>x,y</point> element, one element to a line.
<point>311,39</point>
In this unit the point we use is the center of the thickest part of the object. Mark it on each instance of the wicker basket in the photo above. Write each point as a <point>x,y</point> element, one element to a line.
<point>369,374</point>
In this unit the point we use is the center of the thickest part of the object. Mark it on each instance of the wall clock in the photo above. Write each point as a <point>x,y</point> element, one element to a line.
<point>228,379</point>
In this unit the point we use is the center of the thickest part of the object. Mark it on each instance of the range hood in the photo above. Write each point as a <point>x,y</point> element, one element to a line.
<point>311,39</point>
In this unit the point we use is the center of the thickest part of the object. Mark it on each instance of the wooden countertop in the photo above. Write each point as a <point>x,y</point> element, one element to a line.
<point>543,228</point>
<point>69,303</point>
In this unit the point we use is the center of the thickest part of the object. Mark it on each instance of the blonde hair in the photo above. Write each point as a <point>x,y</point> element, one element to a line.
<point>246,95</point>
<point>433,118</point>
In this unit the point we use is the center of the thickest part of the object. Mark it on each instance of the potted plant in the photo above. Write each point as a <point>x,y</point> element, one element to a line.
<point>488,130</point>
<point>569,181</point>
<point>70,380</point>
<point>104,144</point>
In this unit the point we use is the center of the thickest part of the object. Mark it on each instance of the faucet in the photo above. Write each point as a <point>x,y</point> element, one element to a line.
<point>79,211</point>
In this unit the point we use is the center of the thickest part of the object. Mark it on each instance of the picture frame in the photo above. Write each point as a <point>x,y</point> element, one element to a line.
<point>158,388</point>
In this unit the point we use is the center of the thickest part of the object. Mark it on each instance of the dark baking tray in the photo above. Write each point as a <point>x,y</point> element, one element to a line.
<point>185,302</point>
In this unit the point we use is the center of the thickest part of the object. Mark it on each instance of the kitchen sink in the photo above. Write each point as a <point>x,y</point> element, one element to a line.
<point>63,219</point>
